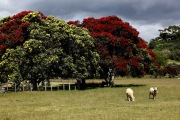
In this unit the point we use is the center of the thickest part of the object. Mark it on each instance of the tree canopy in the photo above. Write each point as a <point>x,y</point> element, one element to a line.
<point>119,46</point>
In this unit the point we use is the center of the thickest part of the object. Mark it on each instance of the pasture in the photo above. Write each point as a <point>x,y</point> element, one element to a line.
<point>96,104</point>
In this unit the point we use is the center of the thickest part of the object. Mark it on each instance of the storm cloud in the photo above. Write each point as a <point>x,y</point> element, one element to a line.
<point>146,16</point>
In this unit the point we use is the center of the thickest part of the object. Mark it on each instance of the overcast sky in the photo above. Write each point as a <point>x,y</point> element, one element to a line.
<point>147,16</point>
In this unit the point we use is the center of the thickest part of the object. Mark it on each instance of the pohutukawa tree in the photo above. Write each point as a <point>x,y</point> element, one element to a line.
<point>36,48</point>
<point>119,46</point>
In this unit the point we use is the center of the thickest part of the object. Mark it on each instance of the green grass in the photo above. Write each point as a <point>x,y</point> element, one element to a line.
<point>96,104</point>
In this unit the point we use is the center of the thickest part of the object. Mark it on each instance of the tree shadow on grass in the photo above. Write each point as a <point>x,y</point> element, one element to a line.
<point>129,85</point>
<point>99,85</point>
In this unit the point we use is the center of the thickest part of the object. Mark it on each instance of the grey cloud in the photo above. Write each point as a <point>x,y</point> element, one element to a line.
<point>141,12</point>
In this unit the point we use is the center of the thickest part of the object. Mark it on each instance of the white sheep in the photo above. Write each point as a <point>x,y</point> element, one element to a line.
<point>129,94</point>
<point>153,91</point>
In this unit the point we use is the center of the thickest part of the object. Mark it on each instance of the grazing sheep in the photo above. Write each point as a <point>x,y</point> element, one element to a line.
<point>153,91</point>
<point>129,94</point>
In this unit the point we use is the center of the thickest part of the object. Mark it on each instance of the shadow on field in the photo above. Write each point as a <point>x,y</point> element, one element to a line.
<point>99,85</point>
<point>129,85</point>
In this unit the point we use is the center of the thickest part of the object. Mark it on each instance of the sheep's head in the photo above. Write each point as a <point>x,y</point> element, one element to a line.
<point>133,98</point>
<point>155,90</point>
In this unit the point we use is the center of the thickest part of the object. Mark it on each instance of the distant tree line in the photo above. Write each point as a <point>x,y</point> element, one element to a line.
<point>166,47</point>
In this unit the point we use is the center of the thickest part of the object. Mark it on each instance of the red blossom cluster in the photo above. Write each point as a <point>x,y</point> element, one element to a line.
<point>120,63</point>
<point>152,54</point>
<point>141,43</point>
<point>115,40</point>
<point>20,15</point>
<point>13,31</point>
<point>135,60</point>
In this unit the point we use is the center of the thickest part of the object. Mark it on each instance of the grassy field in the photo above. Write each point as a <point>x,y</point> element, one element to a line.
<point>96,104</point>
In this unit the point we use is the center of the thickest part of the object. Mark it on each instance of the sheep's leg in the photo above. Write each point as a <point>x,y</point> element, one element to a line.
<point>128,99</point>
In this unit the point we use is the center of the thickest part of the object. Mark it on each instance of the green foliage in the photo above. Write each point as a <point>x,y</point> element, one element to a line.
<point>161,58</point>
<point>10,65</point>
<point>168,40</point>
<point>4,20</point>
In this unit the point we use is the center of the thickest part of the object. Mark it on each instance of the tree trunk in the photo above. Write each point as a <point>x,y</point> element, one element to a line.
<point>110,78</point>
<point>34,83</point>
<point>83,84</point>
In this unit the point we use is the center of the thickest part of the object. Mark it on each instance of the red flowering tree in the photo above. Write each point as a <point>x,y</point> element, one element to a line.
<point>119,46</point>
